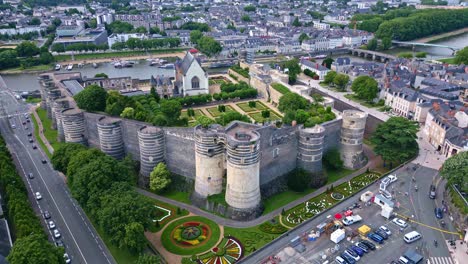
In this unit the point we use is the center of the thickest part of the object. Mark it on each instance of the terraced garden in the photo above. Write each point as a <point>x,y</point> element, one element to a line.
<point>192,119</point>
<point>326,200</point>
<point>255,111</point>
<point>214,111</point>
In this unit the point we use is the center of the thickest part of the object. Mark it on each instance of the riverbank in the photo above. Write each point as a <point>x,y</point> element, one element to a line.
<point>33,69</point>
<point>109,56</point>
<point>442,36</point>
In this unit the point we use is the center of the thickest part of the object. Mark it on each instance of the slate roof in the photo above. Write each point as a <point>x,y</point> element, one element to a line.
<point>183,65</point>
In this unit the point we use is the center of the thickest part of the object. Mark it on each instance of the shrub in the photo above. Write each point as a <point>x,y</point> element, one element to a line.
<point>270,228</point>
<point>298,180</point>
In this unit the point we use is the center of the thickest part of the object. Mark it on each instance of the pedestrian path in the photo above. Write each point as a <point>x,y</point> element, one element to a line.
<point>441,260</point>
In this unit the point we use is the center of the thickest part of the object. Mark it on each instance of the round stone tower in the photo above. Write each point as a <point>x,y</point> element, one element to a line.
<point>110,137</point>
<point>310,148</point>
<point>243,172</point>
<point>73,123</point>
<point>52,95</point>
<point>151,143</point>
<point>352,134</point>
<point>58,105</point>
<point>209,161</point>
<point>46,84</point>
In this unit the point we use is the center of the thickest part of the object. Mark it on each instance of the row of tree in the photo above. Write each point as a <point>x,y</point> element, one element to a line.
<point>134,43</point>
<point>339,80</point>
<point>30,241</point>
<point>26,54</point>
<point>58,47</point>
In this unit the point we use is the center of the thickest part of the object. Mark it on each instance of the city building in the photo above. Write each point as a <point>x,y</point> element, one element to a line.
<point>318,69</point>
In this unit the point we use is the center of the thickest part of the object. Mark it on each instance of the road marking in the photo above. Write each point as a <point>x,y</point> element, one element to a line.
<point>50,193</point>
<point>440,260</point>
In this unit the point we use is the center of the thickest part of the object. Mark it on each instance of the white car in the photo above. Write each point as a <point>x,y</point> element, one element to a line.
<point>392,178</point>
<point>57,234</point>
<point>399,222</point>
<point>385,229</point>
<point>51,225</point>
<point>38,196</point>
<point>66,258</point>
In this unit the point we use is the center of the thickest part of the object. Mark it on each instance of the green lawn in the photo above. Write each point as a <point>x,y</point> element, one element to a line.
<point>198,113</point>
<point>334,175</point>
<point>448,60</point>
<point>260,119</point>
<point>171,246</point>
<point>280,88</point>
<point>49,133</point>
<point>39,140</point>
<point>45,67</point>
<point>246,108</point>
<point>183,197</point>
<point>354,98</point>
<point>252,238</point>
<point>216,113</point>
<point>281,199</point>
<point>114,54</point>
<point>182,212</point>
<point>32,100</point>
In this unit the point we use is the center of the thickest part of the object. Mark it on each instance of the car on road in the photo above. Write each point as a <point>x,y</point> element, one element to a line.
<point>29,134</point>
<point>357,250</point>
<point>27,120</point>
<point>57,234</point>
<point>38,196</point>
<point>368,244</point>
<point>66,258</point>
<point>385,229</point>
<point>432,192</point>
<point>13,126</point>
<point>34,146</point>
<point>51,224</point>
<point>352,254</point>
<point>30,175</point>
<point>438,213</point>
<point>59,243</point>
<point>44,161</point>
<point>31,140</point>
<point>348,258</point>
<point>375,237</point>
<point>382,234</point>
<point>46,215</point>
<point>24,122</point>
<point>362,246</point>
<point>397,221</point>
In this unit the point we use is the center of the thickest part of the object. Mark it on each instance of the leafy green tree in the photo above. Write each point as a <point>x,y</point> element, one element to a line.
<point>341,80</point>
<point>327,62</point>
<point>455,170</point>
<point>421,54</point>
<point>115,103</point>
<point>160,178</point>
<point>204,121</point>
<point>266,113</point>
<point>203,27</point>
<point>292,102</point>
<point>148,259</point>
<point>97,75</point>
<point>135,239</point>
<point>119,27</point>
<point>171,109</point>
<point>92,23</point>
<point>365,87</point>
<point>246,18</point>
<point>395,139</point>
<point>34,249</point>
<point>303,37</point>
<point>128,112</point>
<point>372,44</point>
<point>330,77</point>
<point>35,21</point>
<point>228,117</point>
<point>8,59</point>
<point>462,56</point>
<point>63,155</point>
<point>406,55</point>
<point>209,46</point>
<point>332,159</point>
<point>141,29</point>
<point>92,98</point>
<point>292,66</point>
<point>302,116</point>
<point>195,36</point>
<point>296,22</point>
<point>27,49</point>
<point>249,8</point>
<point>386,43</point>
<point>298,180</point>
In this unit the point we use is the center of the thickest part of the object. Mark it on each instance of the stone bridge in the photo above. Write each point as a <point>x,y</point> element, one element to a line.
<point>374,55</point>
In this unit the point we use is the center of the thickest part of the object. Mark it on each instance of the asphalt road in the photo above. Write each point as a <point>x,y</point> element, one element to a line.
<point>81,241</point>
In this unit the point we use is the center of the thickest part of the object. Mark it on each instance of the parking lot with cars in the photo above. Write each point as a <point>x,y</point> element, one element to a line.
<point>415,214</point>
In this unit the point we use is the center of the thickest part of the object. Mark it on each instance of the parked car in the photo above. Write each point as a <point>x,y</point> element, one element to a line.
<point>362,246</point>
<point>386,230</point>
<point>30,140</point>
<point>375,238</point>
<point>59,243</point>
<point>353,254</point>
<point>66,258</point>
<point>30,175</point>
<point>57,234</point>
<point>397,221</point>
<point>29,134</point>
<point>382,234</point>
<point>432,192</point>
<point>348,258</point>
<point>44,161</point>
<point>368,244</point>
<point>392,178</point>
<point>51,225</point>
<point>340,260</point>
<point>46,215</point>
<point>34,146</point>
<point>38,196</point>
<point>438,213</point>
<point>357,250</point>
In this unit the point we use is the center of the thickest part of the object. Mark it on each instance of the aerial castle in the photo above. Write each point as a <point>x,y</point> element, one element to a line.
<point>243,161</point>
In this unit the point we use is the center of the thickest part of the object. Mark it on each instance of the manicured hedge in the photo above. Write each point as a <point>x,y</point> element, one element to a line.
<point>280,88</point>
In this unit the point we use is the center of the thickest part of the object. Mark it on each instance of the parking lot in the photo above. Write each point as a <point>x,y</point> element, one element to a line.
<point>413,206</point>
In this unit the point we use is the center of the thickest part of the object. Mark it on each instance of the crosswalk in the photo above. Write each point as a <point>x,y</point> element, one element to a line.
<point>440,260</point>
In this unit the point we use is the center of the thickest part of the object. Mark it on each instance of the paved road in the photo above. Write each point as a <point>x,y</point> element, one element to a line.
<point>81,240</point>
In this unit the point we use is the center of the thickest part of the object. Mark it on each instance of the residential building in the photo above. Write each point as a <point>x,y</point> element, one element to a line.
<point>320,70</point>
<point>123,37</point>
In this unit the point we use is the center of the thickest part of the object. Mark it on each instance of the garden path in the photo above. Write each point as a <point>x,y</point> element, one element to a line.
<point>374,162</point>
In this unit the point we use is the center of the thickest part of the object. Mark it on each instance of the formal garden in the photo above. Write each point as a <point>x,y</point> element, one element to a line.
<point>228,251</point>
<point>327,199</point>
<point>259,111</point>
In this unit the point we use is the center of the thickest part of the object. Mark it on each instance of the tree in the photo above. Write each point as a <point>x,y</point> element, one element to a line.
<point>421,54</point>
<point>246,18</point>
<point>455,170</point>
<point>135,239</point>
<point>249,8</point>
<point>148,259</point>
<point>329,77</point>
<point>228,117</point>
<point>103,75</point>
<point>209,46</point>
<point>341,80</point>
<point>63,154</point>
<point>292,66</point>
<point>395,139</point>
<point>292,102</point>
<point>160,178</point>
<point>8,59</point>
<point>195,36</point>
<point>204,121</point>
<point>119,27</point>
<point>386,43</point>
<point>296,22</point>
<point>332,159</point>
<point>462,56</point>
<point>327,62</point>
<point>35,21</point>
<point>301,116</point>
<point>171,109</point>
<point>365,88</point>
<point>128,112</point>
<point>266,114</point>
<point>372,44</point>
<point>203,27</point>
<point>35,249</point>
<point>298,180</point>
<point>27,49</point>
<point>92,23</point>
<point>303,37</point>
<point>92,98</point>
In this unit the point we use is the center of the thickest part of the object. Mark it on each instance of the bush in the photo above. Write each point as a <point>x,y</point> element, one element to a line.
<point>298,180</point>
<point>270,228</point>
<point>332,160</point>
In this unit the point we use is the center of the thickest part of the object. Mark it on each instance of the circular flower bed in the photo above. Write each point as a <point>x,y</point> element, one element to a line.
<point>190,235</point>
<point>337,196</point>
<point>229,251</point>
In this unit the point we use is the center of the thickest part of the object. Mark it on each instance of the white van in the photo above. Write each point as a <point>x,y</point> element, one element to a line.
<point>411,237</point>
